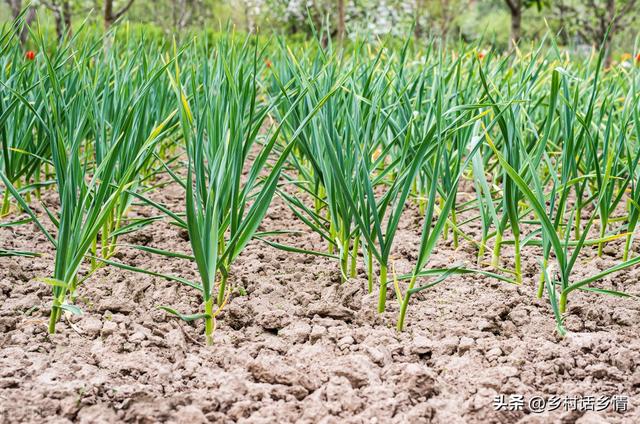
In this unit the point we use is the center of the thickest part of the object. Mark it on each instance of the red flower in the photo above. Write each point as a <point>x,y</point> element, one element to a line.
<point>268,63</point>
<point>480,55</point>
<point>30,55</point>
<point>638,58</point>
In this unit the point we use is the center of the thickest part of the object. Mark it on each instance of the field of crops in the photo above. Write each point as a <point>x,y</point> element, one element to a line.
<point>234,229</point>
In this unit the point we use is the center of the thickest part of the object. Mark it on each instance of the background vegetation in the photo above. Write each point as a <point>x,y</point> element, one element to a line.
<point>580,24</point>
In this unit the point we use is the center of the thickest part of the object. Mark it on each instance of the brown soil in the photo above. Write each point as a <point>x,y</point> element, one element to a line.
<point>301,347</point>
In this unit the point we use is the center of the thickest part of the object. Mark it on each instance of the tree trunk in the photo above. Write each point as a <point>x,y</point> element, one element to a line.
<point>108,14</point>
<point>59,25</point>
<point>515,7</point>
<point>16,9</point>
<point>31,15</point>
<point>66,16</point>
<point>516,26</point>
<point>341,25</point>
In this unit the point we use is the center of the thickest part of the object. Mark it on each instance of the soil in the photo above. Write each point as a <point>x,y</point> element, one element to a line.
<point>295,345</point>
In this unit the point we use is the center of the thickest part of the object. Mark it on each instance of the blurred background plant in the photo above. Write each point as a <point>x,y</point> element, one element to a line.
<point>580,24</point>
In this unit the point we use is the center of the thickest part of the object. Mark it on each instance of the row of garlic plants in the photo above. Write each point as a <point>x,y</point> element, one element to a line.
<point>349,138</point>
